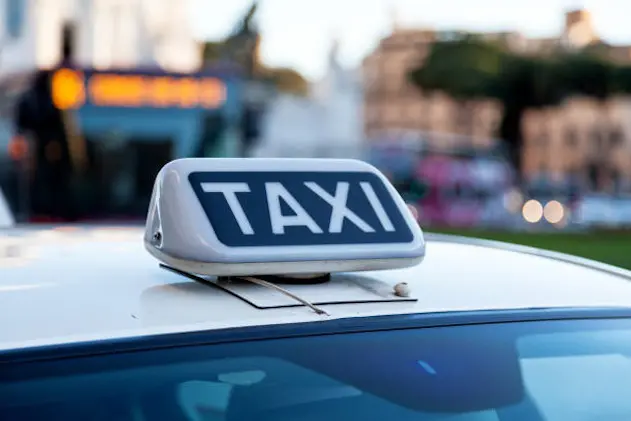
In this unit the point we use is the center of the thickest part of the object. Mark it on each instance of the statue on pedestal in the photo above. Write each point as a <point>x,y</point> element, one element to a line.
<point>242,47</point>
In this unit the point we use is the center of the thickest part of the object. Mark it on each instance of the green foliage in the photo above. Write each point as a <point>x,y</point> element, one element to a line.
<point>465,69</point>
<point>587,74</point>
<point>288,80</point>
<point>472,68</point>
<point>285,79</point>
<point>240,48</point>
<point>211,51</point>
<point>622,79</point>
<point>528,82</point>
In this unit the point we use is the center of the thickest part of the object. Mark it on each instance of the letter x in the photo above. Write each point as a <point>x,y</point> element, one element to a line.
<point>340,211</point>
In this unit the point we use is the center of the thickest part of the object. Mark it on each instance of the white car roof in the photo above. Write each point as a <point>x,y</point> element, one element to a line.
<point>67,284</point>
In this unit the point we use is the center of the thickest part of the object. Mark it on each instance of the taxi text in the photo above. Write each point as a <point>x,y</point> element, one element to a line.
<point>275,192</point>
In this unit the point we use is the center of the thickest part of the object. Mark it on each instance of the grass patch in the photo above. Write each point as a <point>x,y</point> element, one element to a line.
<point>612,247</point>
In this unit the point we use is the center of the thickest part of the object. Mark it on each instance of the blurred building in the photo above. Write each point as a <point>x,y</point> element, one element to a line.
<point>393,104</point>
<point>98,33</point>
<point>583,141</point>
<point>326,123</point>
<point>94,99</point>
<point>42,34</point>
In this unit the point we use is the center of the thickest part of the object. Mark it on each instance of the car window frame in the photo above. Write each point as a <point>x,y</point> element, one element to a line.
<point>303,329</point>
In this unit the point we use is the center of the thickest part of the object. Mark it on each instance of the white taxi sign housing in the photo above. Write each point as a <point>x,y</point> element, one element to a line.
<point>250,216</point>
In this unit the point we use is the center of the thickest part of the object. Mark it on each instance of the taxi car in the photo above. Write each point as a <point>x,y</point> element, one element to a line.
<point>302,290</point>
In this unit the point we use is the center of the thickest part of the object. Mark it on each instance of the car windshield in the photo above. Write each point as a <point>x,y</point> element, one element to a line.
<point>553,370</point>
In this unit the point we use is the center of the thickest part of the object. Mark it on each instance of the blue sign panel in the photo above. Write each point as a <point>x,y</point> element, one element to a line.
<point>268,208</point>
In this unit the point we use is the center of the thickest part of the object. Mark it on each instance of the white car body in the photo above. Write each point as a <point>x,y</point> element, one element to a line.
<point>74,284</point>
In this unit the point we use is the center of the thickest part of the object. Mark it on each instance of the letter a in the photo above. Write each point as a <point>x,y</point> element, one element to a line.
<point>275,192</point>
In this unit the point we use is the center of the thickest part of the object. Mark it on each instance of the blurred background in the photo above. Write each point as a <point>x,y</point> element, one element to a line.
<point>508,122</point>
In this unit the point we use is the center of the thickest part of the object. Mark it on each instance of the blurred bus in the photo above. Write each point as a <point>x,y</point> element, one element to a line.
<point>448,188</point>
<point>459,191</point>
<point>89,143</point>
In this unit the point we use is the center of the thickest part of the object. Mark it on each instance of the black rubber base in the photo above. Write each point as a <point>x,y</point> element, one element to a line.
<point>288,280</point>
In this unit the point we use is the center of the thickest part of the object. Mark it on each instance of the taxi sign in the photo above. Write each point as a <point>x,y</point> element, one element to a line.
<point>250,216</point>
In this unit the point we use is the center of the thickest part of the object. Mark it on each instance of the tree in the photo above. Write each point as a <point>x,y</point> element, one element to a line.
<point>284,79</point>
<point>288,80</point>
<point>241,47</point>
<point>211,52</point>
<point>470,68</point>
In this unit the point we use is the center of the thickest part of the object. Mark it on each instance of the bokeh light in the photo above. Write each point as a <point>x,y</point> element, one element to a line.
<point>532,211</point>
<point>554,212</point>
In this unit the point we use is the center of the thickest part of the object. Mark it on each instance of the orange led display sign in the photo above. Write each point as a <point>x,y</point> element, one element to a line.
<point>68,89</point>
<point>72,89</point>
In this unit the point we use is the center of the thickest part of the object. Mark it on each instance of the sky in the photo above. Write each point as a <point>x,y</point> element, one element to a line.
<point>299,33</point>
